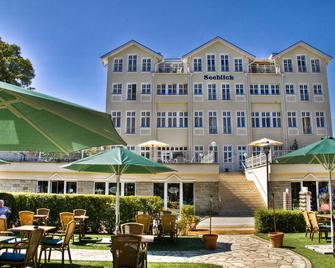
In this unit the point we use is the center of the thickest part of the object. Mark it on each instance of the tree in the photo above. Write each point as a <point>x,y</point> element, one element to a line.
<point>14,69</point>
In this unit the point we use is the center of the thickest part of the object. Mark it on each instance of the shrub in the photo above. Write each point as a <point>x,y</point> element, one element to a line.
<point>288,221</point>
<point>100,208</point>
<point>188,220</point>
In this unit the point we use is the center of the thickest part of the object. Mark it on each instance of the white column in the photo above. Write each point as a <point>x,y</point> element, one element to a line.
<point>122,188</point>
<point>64,187</point>
<point>165,195</point>
<point>180,195</point>
<point>317,196</point>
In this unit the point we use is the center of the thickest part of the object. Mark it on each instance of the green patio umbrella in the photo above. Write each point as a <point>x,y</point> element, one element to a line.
<point>2,162</point>
<point>320,152</point>
<point>31,121</point>
<point>118,161</point>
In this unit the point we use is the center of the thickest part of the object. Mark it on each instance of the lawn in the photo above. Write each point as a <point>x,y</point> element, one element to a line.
<point>109,265</point>
<point>186,243</point>
<point>297,241</point>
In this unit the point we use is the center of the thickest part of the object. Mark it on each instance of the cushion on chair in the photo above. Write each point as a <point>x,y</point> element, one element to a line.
<point>10,256</point>
<point>52,242</point>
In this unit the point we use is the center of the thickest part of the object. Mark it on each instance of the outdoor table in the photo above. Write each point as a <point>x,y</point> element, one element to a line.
<point>146,239</point>
<point>81,220</point>
<point>6,238</point>
<point>325,216</point>
<point>30,228</point>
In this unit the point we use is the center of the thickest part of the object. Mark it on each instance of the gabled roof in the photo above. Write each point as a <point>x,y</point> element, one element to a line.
<point>305,45</point>
<point>126,45</point>
<point>225,42</point>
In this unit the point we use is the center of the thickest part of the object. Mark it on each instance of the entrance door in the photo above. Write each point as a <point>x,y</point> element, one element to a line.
<point>173,191</point>
<point>311,185</point>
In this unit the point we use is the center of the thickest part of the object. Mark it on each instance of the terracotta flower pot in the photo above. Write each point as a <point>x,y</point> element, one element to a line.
<point>209,241</point>
<point>276,239</point>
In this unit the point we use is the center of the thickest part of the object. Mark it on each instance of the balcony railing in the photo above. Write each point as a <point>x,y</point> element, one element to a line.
<point>260,159</point>
<point>262,68</point>
<point>171,68</point>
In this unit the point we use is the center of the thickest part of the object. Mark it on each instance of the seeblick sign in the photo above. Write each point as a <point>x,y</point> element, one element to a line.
<point>218,77</point>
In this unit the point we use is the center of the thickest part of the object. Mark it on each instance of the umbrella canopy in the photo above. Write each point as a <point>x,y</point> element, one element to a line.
<point>265,142</point>
<point>31,121</point>
<point>320,152</point>
<point>2,162</point>
<point>153,143</point>
<point>119,161</point>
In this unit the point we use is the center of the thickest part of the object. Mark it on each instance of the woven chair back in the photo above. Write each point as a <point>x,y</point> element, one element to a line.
<point>146,220</point>
<point>79,212</point>
<point>26,217</point>
<point>34,242</point>
<point>3,225</point>
<point>69,232</point>
<point>313,219</point>
<point>168,223</point>
<point>307,221</point>
<point>132,228</point>
<point>43,211</point>
<point>65,218</point>
<point>126,250</point>
<point>166,212</point>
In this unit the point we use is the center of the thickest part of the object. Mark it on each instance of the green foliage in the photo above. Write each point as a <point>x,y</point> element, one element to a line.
<point>14,69</point>
<point>100,208</point>
<point>287,221</point>
<point>188,220</point>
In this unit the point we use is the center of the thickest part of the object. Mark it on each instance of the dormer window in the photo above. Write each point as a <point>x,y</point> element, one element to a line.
<point>132,63</point>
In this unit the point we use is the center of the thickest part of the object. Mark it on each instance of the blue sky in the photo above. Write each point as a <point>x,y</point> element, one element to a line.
<point>65,38</point>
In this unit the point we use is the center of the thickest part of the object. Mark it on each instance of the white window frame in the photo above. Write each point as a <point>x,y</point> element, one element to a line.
<point>126,125</point>
<point>207,66</point>
<point>310,121</point>
<point>227,70</point>
<point>118,59</point>
<point>202,89</point>
<point>240,117</point>
<point>142,65</point>
<point>217,125</point>
<point>225,116</point>
<point>238,90</point>
<point>120,119</point>
<point>116,84</point>
<point>146,84</point>
<point>198,116</point>
<point>297,61</point>
<point>136,67</point>
<point>308,92</point>
<point>290,117</point>
<point>318,117</point>
<point>242,63</point>
<point>225,91</point>
<point>292,67</point>
<point>197,71</point>
<point>230,157</point>
<point>294,90</point>
<point>318,84</point>
<point>314,59</point>
<point>216,91</point>
<point>145,117</point>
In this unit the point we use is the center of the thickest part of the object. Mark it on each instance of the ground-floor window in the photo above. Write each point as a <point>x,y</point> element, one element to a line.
<point>126,188</point>
<point>100,188</point>
<point>159,190</point>
<point>42,186</point>
<point>57,187</point>
<point>188,190</point>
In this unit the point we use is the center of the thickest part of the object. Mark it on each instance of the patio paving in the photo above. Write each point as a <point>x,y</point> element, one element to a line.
<point>233,251</point>
<point>323,249</point>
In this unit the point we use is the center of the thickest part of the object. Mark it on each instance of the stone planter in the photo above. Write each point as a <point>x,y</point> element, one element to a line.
<point>209,241</point>
<point>276,239</point>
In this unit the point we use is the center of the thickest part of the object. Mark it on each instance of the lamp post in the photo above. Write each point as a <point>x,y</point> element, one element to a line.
<point>266,150</point>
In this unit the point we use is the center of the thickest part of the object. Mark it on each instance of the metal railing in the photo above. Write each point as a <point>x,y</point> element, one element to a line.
<point>259,160</point>
<point>171,68</point>
<point>262,68</point>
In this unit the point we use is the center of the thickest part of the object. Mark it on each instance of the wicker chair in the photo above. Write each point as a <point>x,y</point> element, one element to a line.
<point>146,220</point>
<point>64,219</point>
<point>80,224</point>
<point>3,228</point>
<point>45,212</point>
<point>26,217</point>
<point>169,226</point>
<point>29,258</point>
<point>132,228</point>
<point>317,227</point>
<point>58,244</point>
<point>127,251</point>
<point>308,224</point>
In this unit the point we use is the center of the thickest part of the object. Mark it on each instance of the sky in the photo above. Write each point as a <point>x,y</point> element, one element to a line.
<point>64,39</point>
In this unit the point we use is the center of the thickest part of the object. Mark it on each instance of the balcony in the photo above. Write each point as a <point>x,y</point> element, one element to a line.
<point>171,67</point>
<point>259,160</point>
<point>262,68</point>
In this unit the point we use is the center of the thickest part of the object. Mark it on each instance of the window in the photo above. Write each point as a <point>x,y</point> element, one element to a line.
<point>226,122</point>
<point>71,187</point>
<point>116,118</point>
<point>146,89</point>
<point>188,193</point>
<point>145,119</point>
<point>276,122</point>
<point>161,89</point>
<point>130,122</point>
<point>240,119</point>
<point>128,188</point>
<point>212,123</point>
<point>146,65</point>
<point>117,89</point>
<point>292,119</point>
<point>197,89</point>
<point>255,120</point>
<point>183,119</point>
<point>42,186</point>
<point>315,63</point>
<point>320,119</point>
<point>198,119</point>
<point>264,89</point>
<point>289,89</point>
<point>304,96</point>
<point>239,88</point>
<point>131,93</point>
<point>118,65</point>
<point>241,151</point>
<point>288,66</point>
<point>227,154</point>
<point>57,187</point>
<point>159,189</point>
<point>254,90</point>
<point>197,65</point>
<point>275,90</point>
<point>100,188</point>
<point>145,152</point>
<point>238,65</point>
<point>225,92</point>
<point>172,89</point>
<point>224,63</point>
<point>211,63</point>
<point>198,153</point>
<point>161,121</point>
<point>301,61</point>
<point>182,89</point>
<point>172,119</point>
<point>132,63</point>
<point>112,188</point>
<point>214,151</point>
<point>317,89</point>
<point>306,122</point>
<point>211,91</point>
<point>266,119</point>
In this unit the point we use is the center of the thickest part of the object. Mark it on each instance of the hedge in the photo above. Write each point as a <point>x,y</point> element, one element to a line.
<point>288,221</point>
<point>100,208</point>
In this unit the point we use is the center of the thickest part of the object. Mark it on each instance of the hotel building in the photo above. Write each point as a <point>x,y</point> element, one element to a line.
<point>208,106</point>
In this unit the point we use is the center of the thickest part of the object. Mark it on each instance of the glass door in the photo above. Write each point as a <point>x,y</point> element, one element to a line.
<point>173,191</point>
<point>311,185</point>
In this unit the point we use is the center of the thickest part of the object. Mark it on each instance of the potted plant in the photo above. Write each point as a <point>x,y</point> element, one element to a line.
<point>276,237</point>
<point>210,239</point>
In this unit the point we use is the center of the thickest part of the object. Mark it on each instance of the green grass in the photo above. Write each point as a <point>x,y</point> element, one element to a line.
<point>105,264</point>
<point>297,241</point>
<point>186,243</point>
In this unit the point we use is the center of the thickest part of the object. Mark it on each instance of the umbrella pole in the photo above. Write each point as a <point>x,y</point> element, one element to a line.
<point>117,205</point>
<point>331,211</point>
